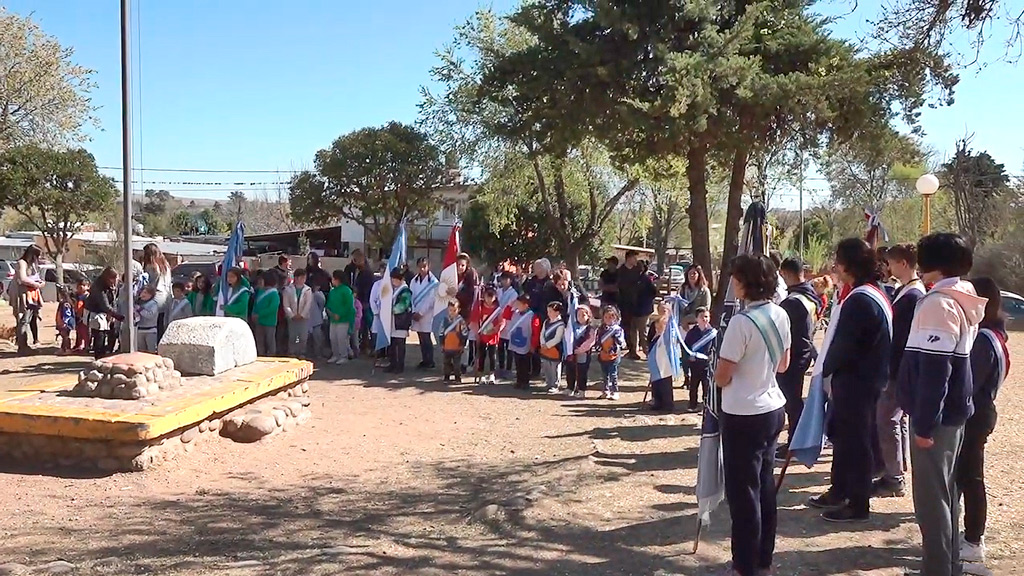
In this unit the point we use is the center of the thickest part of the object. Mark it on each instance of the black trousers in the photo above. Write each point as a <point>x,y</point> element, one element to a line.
<point>661,394</point>
<point>748,455</point>
<point>791,382</point>
<point>535,364</point>
<point>102,343</point>
<point>970,473</point>
<point>576,374</point>
<point>396,353</point>
<point>452,365</point>
<point>485,352</point>
<point>505,359</point>
<point>699,379</point>
<point>426,348</point>
<point>852,431</point>
<point>524,369</point>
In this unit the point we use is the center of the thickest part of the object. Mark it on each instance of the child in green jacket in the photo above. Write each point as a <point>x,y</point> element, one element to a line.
<point>264,314</point>
<point>237,305</point>
<point>341,313</point>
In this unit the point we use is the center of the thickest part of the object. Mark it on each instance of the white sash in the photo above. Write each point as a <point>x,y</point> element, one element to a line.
<point>518,321</point>
<point>916,283</point>
<point>490,319</point>
<point>608,334</point>
<point>705,340</point>
<point>421,289</point>
<point>234,295</point>
<point>259,297</point>
<point>550,329</point>
<point>179,305</point>
<point>458,322</point>
<point>879,298</point>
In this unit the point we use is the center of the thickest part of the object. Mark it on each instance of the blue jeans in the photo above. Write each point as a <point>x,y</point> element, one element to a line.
<point>610,372</point>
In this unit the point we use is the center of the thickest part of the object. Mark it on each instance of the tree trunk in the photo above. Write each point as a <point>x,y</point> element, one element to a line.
<point>697,180</point>
<point>733,224</point>
<point>58,261</point>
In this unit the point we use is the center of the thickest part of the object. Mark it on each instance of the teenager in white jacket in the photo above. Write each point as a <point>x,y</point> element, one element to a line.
<point>298,306</point>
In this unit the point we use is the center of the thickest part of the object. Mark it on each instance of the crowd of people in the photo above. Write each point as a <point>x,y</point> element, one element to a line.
<point>912,358</point>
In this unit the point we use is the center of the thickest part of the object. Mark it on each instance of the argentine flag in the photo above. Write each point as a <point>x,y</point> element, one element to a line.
<point>387,291</point>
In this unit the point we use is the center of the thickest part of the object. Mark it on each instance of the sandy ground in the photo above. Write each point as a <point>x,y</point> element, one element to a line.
<point>409,476</point>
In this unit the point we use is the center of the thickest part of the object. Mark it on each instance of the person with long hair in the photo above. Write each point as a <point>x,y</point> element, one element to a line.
<point>990,363</point>
<point>755,348</point>
<point>25,295</point>
<point>856,369</point>
<point>935,390</point>
<point>155,265</point>
<point>202,296</point>
<point>103,314</point>
<point>696,293</point>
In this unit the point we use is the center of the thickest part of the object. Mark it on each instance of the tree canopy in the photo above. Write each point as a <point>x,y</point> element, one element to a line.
<point>44,95</point>
<point>56,191</point>
<point>376,176</point>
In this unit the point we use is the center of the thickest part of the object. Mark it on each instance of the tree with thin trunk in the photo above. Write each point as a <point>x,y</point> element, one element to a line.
<point>56,191</point>
<point>980,187</point>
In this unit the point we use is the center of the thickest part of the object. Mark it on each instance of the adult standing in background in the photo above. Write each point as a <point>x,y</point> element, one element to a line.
<point>607,282</point>
<point>630,275</point>
<point>424,288</point>
<point>857,361</point>
<point>316,277</point>
<point>25,295</point>
<point>284,269</point>
<point>696,293</point>
<point>158,271</point>
<point>535,287</point>
<point>361,279</point>
<point>468,282</point>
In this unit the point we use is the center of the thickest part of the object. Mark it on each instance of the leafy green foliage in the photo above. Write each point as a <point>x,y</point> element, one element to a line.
<point>980,188</point>
<point>57,191</point>
<point>44,96</point>
<point>873,170</point>
<point>376,176</point>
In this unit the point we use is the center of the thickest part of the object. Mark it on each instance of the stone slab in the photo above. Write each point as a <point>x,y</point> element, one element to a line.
<point>208,346</point>
<point>53,412</point>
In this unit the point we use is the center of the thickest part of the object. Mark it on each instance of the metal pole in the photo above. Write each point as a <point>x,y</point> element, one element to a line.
<point>800,185</point>
<point>126,159</point>
<point>927,215</point>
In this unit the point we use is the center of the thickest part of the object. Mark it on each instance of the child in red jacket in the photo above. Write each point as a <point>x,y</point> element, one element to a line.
<point>488,320</point>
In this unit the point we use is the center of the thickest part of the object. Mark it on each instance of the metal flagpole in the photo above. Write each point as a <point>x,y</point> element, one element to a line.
<point>126,159</point>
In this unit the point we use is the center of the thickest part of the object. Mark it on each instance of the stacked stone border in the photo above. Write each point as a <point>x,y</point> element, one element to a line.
<point>257,420</point>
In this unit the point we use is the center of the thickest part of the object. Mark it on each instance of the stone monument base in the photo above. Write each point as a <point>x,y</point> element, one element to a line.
<point>55,428</point>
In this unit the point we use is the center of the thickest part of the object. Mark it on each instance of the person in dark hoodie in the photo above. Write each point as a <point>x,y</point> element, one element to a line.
<point>935,390</point>
<point>892,428</point>
<point>801,304</point>
<point>990,363</point>
<point>857,367</point>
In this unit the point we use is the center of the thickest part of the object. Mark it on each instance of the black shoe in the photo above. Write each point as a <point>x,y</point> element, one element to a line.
<point>781,454</point>
<point>827,501</point>
<point>422,365</point>
<point>846,514</point>
<point>885,488</point>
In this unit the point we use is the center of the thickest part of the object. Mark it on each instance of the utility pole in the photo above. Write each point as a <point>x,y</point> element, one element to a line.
<point>126,160</point>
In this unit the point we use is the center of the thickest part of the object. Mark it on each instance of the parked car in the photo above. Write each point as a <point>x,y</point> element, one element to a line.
<point>183,272</point>
<point>7,271</point>
<point>1013,307</point>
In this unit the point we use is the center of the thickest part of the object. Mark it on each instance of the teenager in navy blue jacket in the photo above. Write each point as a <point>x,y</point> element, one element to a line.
<point>935,388</point>
<point>990,363</point>
<point>902,260</point>
<point>857,362</point>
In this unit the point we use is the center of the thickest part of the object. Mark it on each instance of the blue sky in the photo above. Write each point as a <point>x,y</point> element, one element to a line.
<point>262,85</point>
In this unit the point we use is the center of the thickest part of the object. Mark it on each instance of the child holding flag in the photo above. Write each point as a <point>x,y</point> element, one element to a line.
<point>424,290</point>
<point>663,358</point>
<point>700,344</point>
<point>401,320</point>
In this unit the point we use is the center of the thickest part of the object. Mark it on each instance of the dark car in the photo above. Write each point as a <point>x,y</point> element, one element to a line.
<point>183,272</point>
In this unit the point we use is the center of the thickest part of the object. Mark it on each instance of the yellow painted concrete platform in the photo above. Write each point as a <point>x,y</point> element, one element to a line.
<point>47,410</point>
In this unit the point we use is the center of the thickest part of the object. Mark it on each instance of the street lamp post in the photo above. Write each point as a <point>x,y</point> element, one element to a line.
<point>927,186</point>
<point>126,160</point>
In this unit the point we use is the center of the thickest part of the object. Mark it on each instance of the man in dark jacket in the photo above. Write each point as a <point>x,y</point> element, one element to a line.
<point>316,277</point>
<point>630,282</point>
<point>892,425</point>
<point>801,304</point>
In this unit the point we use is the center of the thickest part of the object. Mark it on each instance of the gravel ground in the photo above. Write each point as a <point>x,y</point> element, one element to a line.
<point>409,476</point>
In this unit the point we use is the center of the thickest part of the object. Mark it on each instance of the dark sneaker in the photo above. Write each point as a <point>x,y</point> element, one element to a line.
<point>846,514</point>
<point>782,453</point>
<point>885,488</point>
<point>827,501</point>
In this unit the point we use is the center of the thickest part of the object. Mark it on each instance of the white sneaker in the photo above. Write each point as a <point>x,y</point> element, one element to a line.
<point>972,552</point>
<point>553,390</point>
<point>613,396</point>
<point>977,569</point>
<point>332,360</point>
<point>492,380</point>
<point>569,393</point>
<point>341,361</point>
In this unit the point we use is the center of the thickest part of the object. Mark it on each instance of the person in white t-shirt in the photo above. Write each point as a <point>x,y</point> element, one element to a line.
<point>755,348</point>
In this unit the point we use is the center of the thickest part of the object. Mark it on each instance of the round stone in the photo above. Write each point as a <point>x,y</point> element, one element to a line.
<point>215,424</point>
<point>118,369</point>
<point>119,379</point>
<point>255,428</point>
<point>279,416</point>
<point>190,435</point>
<point>120,392</point>
<point>105,389</point>
<point>138,393</point>
<point>131,370</point>
<point>139,381</point>
<point>168,364</point>
<point>149,376</point>
<point>304,387</point>
<point>94,376</point>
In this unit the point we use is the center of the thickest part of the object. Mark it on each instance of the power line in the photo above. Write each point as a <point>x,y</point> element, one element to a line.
<point>181,183</point>
<point>204,171</point>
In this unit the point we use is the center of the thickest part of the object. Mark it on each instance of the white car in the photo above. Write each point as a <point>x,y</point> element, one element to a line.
<point>1013,307</point>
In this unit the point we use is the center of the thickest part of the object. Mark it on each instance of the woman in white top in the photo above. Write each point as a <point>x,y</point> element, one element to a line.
<point>754,349</point>
<point>25,296</point>
<point>155,265</point>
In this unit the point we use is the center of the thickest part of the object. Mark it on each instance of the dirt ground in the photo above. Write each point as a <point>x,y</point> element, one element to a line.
<point>409,476</point>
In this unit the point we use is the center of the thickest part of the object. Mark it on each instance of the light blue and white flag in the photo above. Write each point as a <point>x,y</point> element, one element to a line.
<point>387,292</point>
<point>232,258</point>
<point>665,360</point>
